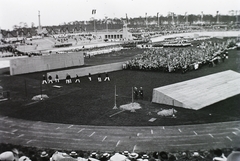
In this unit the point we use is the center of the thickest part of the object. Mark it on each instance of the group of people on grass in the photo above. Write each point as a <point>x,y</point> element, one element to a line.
<point>49,79</point>
<point>173,59</point>
<point>138,93</point>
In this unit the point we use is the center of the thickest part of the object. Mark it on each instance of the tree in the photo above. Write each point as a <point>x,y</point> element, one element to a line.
<point>25,25</point>
<point>15,27</point>
<point>21,24</point>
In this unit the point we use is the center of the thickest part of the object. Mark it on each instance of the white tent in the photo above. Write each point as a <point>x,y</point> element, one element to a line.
<point>199,92</point>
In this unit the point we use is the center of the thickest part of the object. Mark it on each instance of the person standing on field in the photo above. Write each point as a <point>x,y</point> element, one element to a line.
<point>107,77</point>
<point>44,81</point>
<point>50,79</point>
<point>77,79</point>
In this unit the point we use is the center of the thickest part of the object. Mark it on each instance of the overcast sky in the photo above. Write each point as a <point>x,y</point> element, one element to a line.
<point>55,12</point>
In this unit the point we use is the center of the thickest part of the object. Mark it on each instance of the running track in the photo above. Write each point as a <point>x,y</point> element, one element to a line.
<point>111,138</point>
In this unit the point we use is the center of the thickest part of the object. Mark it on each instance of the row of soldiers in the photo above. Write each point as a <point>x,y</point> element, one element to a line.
<point>49,79</point>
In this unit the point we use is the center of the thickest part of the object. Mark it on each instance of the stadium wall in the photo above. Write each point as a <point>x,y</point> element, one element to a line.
<point>86,70</point>
<point>4,70</point>
<point>45,62</point>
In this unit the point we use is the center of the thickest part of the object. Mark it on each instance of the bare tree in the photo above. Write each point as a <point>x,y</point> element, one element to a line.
<point>15,27</point>
<point>25,25</point>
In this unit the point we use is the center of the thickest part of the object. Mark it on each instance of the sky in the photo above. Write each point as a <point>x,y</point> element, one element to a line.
<point>55,12</point>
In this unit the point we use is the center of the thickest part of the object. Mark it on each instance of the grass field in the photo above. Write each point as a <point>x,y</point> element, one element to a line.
<point>91,103</point>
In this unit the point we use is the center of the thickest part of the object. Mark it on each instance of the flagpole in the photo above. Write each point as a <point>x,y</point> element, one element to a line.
<point>146,20</point>
<point>94,23</point>
<point>115,98</point>
<point>106,25</point>
<point>132,96</point>
<point>132,110</point>
<point>173,18</point>
<point>236,16</point>
<point>94,13</point>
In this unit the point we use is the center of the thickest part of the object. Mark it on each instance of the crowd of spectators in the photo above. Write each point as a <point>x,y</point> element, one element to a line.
<point>182,28</point>
<point>90,51</point>
<point>12,51</point>
<point>181,59</point>
<point>19,153</point>
<point>74,38</point>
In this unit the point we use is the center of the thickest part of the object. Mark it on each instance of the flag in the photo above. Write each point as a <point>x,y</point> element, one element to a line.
<point>146,17</point>
<point>94,11</point>
<point>202,15</point>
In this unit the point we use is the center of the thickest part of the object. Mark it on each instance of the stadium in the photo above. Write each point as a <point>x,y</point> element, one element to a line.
<point>182,107</point>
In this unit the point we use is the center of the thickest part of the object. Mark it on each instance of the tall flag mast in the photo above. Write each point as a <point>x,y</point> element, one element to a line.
<point>94,13</point>
<point>217,17</point>
<point>202,17</point>
<point>173,18</point>
<point>106,21</point>
<point>39,23</point>
<point>186,16</point>
<point>146,20</point>
<point>157,19</point>
<point>237,16</point>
